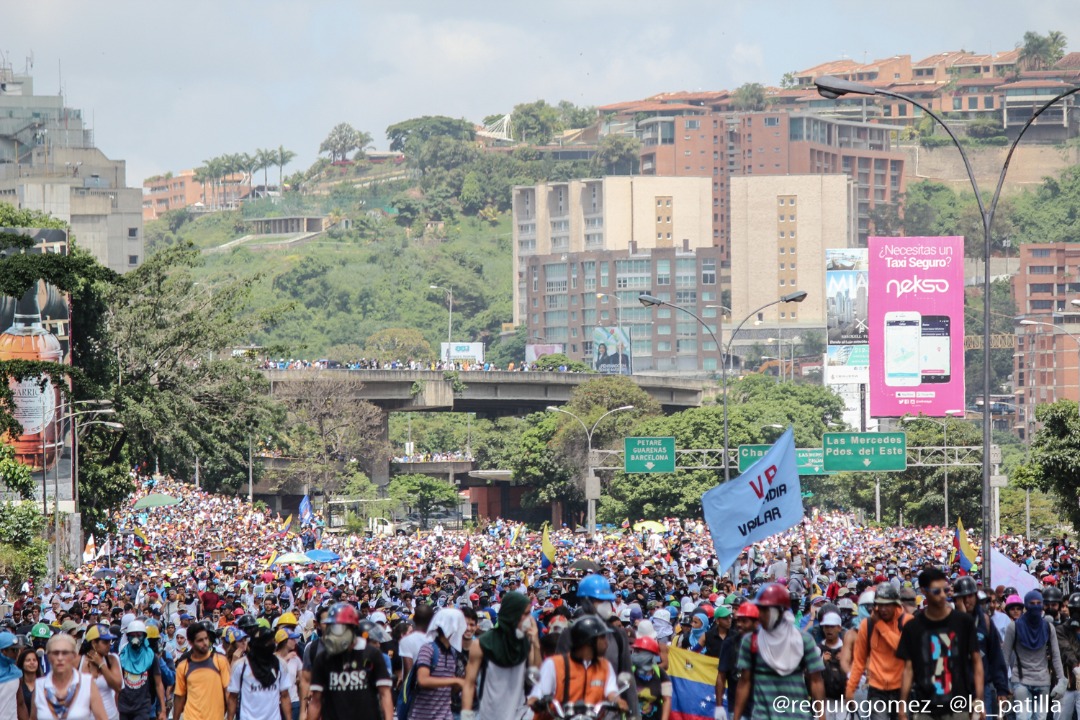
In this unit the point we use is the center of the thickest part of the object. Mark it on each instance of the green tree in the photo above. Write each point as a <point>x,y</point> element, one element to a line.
<point>398,344</point>
<point>1040,52</point>
<point>556,361</point>
<point>1054,466</point>
<point>749,97</point>
<point>342,140</point>
<point>535,123</point>
<point>284,157</point>
<point>538,465</point>
<point>1003,309</point>
<point>788,80</point>
<point>23,552</point>
<point>572,116</point>
<point>423,494</point>
<point>509,348</point>
<point>407,135</point>
<point>617,155</point>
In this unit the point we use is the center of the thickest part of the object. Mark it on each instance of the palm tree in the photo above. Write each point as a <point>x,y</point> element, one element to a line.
<point>249,164</point>
<point>283,158</point>
<point>1036,51</point>
<point>266,158</point>
<point>213,172</point>
<point>201,176</point>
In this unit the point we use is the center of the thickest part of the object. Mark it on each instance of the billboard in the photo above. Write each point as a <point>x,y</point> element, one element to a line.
<point>535,351</point>
<point>847,358</point>
<point>36,326</point>
<point>462,352</point>
<point>916,325</point>
<point>613,353</point>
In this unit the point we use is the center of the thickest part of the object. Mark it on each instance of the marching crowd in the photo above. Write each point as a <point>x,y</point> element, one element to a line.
<point>373,364</point>
<point>191,610</point>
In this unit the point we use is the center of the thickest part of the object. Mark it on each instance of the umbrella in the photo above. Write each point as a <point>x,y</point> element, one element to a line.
<point>322,556</point>
<point>585,564</point>
<point>104,573</point>
<point>154,500</point>
<point>649,525</point>
<point>293,558</point>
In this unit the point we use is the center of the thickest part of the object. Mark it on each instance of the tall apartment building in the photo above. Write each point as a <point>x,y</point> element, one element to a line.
<point>585,249</point>
<point>725,145</point>
<point>163,193</point>
<point>780,228</point>
<point>1046,361</point>
<point>48,162</point>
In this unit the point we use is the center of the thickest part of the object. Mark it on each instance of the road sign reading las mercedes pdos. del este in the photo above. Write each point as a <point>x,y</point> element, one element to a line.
<point>865,451</point>
<point>649,454</point>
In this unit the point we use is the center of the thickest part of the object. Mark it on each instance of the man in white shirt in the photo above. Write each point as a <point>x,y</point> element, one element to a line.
<point>410,645</point>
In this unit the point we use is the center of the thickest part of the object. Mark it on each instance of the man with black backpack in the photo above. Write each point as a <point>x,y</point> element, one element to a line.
<point>874,653</point>
<point>965,600</point>
<point>834,676</point>
<point>495,675</point>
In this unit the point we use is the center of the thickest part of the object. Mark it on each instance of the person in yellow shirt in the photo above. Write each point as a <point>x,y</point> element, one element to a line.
<point>202,677</point>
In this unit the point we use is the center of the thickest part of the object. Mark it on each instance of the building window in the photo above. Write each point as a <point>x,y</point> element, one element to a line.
<point>781,281</point>
<point>772,122</point>
<point>693,125</point>
<point>708,271</point>
<point>133,232</point>
<point>988,102</point>
<point>133,259</point>
<point>1040,252</point>
<point>1041,270</point>
<point>782,250</point>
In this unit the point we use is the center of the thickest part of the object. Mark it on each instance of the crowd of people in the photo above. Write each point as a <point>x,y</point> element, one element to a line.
<point>208,609</point>
<point>373,364</point>
<point>456,456</point>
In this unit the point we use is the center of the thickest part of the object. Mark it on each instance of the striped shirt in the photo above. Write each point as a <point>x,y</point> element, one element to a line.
<point>434,703</point>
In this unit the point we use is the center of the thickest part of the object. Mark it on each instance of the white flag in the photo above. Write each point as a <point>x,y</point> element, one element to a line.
<point>90,551</point>
<point>106,549</point>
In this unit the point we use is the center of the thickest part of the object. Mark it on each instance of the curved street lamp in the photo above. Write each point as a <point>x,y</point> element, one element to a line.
<point>833,88</point>
<point>649,300</point>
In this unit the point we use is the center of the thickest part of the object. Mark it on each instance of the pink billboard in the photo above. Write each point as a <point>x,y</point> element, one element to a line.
<point>916,331</point>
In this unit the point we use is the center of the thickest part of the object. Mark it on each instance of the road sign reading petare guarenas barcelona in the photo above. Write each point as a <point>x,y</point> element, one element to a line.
<point>867,452</point>
<point>649,454</point>
<point>916,325</point>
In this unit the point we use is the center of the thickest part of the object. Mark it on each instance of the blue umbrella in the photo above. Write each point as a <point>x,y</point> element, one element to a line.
<point>322,556</point>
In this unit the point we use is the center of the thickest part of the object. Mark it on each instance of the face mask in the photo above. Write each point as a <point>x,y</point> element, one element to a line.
<point>770,617</point>
<point>603,609</point>
<point>339,639</point>
<point>135,642</point>
<point>519,633</point>
<point>643,662</point>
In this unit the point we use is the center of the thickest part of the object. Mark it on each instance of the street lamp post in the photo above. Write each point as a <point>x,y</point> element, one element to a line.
<point>450,318</point>
<point>798,296</point>
<point>944,424</point>
<point>618,322</point>
<point>832,88</point>
<point>590,503</point>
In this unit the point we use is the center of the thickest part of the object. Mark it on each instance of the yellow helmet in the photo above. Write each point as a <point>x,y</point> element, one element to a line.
<point>287,619</point>
<point>98,632</point>
<point>152,631</point>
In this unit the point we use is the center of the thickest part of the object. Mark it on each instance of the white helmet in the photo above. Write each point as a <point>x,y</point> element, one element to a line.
<point>136,626</point>
<point>867,598</point>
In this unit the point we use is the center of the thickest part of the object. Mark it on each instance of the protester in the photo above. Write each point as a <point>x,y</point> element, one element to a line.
<point>202,678</point>
<point>10,677</point>
<point>497,672</point>
<point>64,692</point>
<point>874,652</point>
<point>1028,643</point>
<point>259,682</point>
<point>349,679</point>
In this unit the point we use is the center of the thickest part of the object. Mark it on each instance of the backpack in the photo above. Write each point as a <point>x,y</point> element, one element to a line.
<point>408,688</point>
<point>834,677</point>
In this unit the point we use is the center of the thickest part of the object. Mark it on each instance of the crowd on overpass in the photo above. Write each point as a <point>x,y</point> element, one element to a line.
<point>437,457</point>
<point>216,558</point>
<point>430,365</point>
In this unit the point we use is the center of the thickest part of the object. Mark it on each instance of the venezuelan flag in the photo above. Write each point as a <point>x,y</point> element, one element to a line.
<point>273,559</point>
<point>140,539</point>
<point>283,530</point>
<point>693,684</point>
<point>547,550</point>
<point>963,552</point>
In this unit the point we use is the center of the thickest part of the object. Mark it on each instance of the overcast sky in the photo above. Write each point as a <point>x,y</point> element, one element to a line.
<point>168,85</point>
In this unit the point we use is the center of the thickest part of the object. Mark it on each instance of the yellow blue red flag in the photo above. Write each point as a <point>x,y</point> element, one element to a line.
<point>962,552</point>
<point>547,550</point>
<point>693,684</point>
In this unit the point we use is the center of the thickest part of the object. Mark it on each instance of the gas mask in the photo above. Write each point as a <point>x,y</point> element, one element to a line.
<point>338,638</point>
<point>643,662</point>
<point>603,609</point>
<point>135,641</point>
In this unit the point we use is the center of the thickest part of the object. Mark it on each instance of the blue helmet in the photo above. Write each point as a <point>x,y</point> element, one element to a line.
<point>595,587</point>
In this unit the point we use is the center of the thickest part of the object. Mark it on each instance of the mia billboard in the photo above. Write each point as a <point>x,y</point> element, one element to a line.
<point>916,328</point>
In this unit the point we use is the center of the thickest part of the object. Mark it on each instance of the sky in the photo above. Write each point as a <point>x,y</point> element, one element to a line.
<point>169,85</point>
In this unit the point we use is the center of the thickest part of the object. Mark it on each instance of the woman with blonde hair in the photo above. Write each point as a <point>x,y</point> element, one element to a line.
<point>65,694</point>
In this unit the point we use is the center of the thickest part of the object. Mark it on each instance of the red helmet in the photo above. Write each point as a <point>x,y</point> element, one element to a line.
<point>773,595</point>
<point>343,614</point>
<point>648,644</point>
<point>748,610</point>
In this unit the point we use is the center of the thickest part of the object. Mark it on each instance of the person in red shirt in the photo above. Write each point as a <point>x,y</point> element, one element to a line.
<point>210,600</point>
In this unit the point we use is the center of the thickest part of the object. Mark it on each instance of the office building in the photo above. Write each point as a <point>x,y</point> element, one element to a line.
<point>585,249</point>
<point>48,162</point>
<point>1046,360</point>
<point>780,228</point>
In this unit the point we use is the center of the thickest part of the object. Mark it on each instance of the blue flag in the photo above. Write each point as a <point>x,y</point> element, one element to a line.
<point>305,511</point>
<point>763,501</point>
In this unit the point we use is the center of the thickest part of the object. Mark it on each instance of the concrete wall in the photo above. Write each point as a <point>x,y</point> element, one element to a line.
<point>1029,165</point>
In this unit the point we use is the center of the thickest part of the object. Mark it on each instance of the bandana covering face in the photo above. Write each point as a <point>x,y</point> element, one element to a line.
<point>1032,631</point>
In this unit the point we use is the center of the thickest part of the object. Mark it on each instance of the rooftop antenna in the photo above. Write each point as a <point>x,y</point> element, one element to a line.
<point>29,63</point>
<point>60,76</point>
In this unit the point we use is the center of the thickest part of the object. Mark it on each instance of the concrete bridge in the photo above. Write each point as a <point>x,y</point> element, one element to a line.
<point>488,394</point>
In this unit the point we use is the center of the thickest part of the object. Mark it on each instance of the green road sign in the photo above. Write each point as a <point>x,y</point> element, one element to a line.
<point>866,452</point>
<point>649,454</point>
<point>811,461</point>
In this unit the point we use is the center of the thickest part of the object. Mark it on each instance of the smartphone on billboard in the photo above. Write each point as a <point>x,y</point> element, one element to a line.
<point>935,349</point>
<point>903,334</point>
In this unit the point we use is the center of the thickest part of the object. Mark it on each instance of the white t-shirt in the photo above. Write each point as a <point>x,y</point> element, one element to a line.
<point>294,666</point>
<point>257,702</point>
<point>410,645</point>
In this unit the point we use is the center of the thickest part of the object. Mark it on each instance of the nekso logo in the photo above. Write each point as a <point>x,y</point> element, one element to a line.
<point>915,284</point>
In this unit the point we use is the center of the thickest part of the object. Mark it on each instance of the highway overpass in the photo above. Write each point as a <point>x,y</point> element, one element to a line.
<point>488,394</point>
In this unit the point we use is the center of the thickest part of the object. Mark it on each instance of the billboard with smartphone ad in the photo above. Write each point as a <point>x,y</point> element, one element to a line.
<point>916,325</point>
